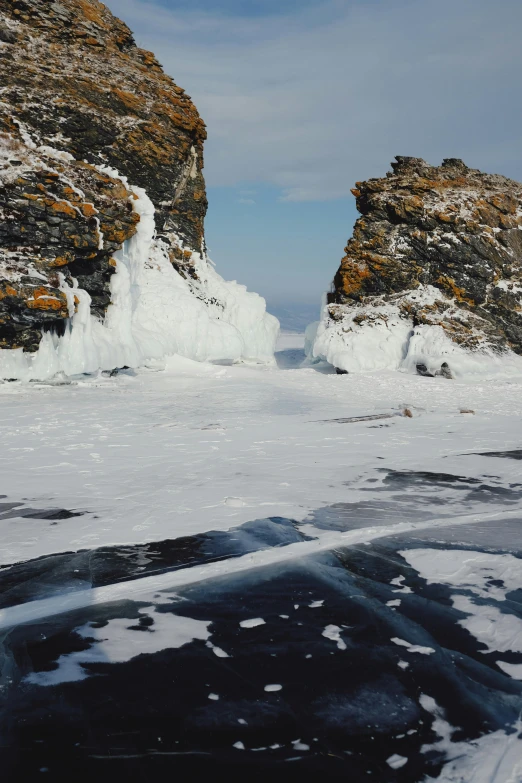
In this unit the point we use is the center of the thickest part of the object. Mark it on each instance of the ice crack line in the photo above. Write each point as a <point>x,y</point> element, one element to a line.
<point>33,611</point>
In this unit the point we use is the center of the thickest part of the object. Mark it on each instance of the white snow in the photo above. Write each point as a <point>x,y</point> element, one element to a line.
<point>513,669</point>
<point>386,340</point>
<point>498,630</point>
<point>486,575</point>
<point>253,623</point>
<point>479,572</point>
<point>116,642</point>
<point>154,313</point>
<point>155,454</point>
<point>492,758</point>
<point>272,688</point>
<point>413,648</point>
<point>218,652</point>
<point>333,632</point>
<point>396,761</point>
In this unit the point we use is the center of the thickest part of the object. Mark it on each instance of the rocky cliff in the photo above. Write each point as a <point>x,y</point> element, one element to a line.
<point>431,279</point>
<point>101,158</point>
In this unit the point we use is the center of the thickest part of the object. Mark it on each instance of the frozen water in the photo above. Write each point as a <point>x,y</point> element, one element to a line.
<point>152,518</point>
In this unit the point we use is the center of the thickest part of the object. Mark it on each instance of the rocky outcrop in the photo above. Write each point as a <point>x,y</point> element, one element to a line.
<point>432,276</point>
<point>102,203</point>
<point>77,96</point>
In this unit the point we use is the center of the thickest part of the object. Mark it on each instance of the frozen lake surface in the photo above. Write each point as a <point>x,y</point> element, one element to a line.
<point>263,571</point>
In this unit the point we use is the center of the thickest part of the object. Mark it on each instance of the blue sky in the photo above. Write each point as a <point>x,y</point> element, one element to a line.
<point>304,97</point>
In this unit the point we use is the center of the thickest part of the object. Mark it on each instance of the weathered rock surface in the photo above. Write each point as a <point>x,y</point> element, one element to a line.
<point>77,95</point>
<point>434,268</point>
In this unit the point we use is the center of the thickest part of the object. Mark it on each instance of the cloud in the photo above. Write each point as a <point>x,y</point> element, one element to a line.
<point>313,100</point>
<point>246,201</point>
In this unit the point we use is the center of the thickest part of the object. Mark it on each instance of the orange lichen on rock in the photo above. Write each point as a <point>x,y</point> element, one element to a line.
<point>131,101</point>
<point>88,210</point>
<point>352,275</point>
<point>65,208</point>
<point>92,10</point>
<point>442,227</point>
<point>8,290</point>
<point>452,288</point>
<point>42,299</point>
<point>60,261</point>
<point>86,93</point>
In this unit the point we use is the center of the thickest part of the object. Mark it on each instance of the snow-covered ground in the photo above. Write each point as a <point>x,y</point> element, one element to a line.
<point>149,455</point>
<point>422,474</point>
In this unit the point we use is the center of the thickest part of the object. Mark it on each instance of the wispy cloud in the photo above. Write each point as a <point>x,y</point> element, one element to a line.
<point>313,100</point>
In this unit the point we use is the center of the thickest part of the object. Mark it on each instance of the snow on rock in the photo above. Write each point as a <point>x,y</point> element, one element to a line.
<point>431,279</point>
<point>154,313</point>
<point>378,337</point>
<point>102,249</point>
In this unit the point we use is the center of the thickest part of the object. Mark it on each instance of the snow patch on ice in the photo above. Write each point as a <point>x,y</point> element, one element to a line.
<point>486,576</point>
<point>413,648</point>
<point>333,632</point>
<point>119,642</point>
<point>500,632</point>
<point>252,623</point>
<point>513,669</point>
<point>396,761</point>
<point>492,758</point>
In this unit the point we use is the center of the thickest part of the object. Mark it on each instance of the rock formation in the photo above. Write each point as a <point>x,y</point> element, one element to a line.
<point>96,144</point>
<point>432,277</point>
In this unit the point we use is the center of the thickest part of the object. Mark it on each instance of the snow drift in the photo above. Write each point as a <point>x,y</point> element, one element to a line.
<point>154,313</point>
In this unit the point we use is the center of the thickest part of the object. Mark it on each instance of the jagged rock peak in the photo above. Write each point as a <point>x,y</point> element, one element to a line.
<point>404,164</point>
<point>75,79</point>
<point>102,203</point>
<point>80,105</point>
<point>436,246</point>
